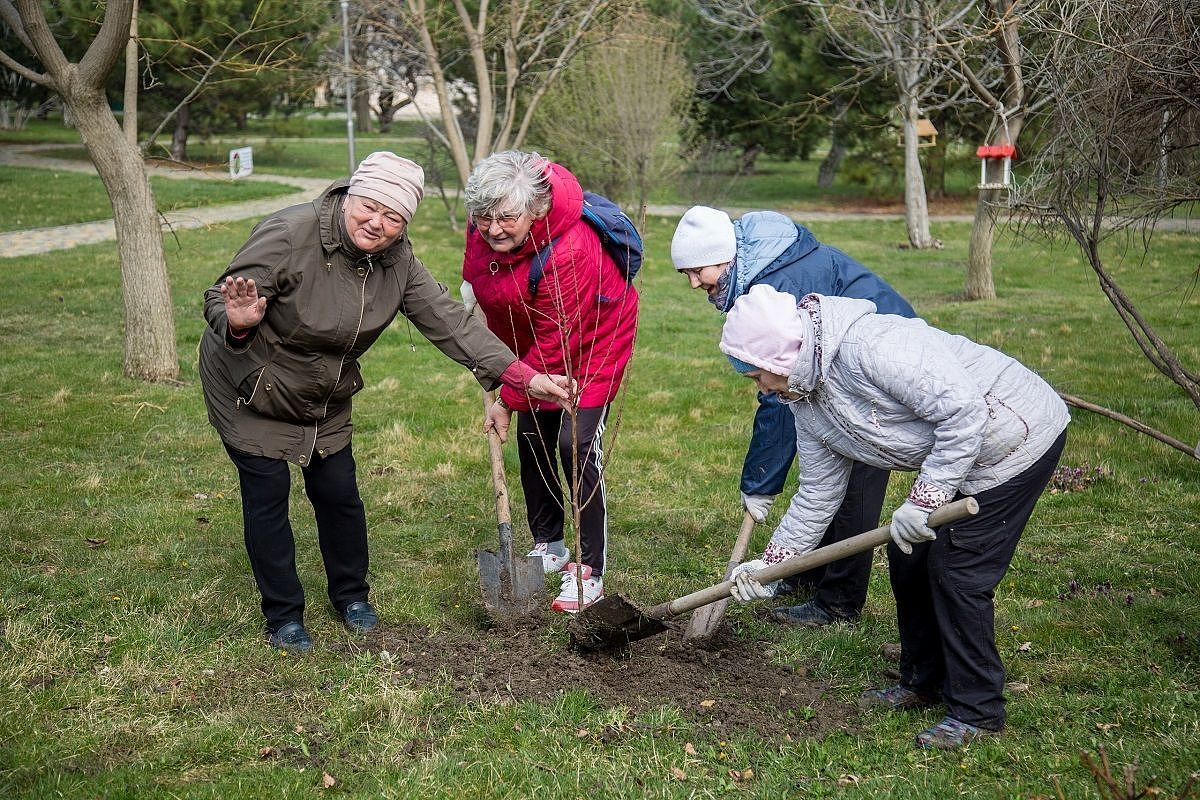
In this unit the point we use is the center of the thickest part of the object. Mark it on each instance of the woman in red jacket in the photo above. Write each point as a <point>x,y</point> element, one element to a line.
<point>579,319</point>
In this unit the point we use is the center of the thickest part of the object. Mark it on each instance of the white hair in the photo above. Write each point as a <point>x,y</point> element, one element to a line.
<point>508,182</point>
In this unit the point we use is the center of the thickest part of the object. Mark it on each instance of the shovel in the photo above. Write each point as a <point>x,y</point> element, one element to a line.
<point>707,619</point>
<point>614,621</point>
<point>511,584</point>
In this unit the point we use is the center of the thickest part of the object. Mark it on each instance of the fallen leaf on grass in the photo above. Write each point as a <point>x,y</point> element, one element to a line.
<point>678,774</point>
<point>740,776</point>
<point>327,780</point>
<point>689,748</point>
<point>847,780</point>
<point>1016,687</point>
<point>1025,647</point>
<point>1107,726</point>
<point>94,543</point>
<point>1034,603</point>
<point>707,703</point>
<point>267,752</point>
<point>581,733</point>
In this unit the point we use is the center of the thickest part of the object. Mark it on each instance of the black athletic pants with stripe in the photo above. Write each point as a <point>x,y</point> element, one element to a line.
<point>546,438</point>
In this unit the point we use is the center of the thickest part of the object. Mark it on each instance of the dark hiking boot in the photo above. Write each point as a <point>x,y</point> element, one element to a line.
<point>806,615</point>
<point>895,698</point>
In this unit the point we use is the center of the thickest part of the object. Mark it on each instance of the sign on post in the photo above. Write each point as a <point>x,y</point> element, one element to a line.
<point>241,162</point>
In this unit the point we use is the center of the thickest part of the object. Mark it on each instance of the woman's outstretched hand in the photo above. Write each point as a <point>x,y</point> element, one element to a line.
<point>244,309</point>
<point>553,388</point>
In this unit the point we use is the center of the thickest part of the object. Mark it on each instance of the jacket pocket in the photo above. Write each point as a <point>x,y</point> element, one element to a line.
<point>349,384</point>
<point>264,392</point>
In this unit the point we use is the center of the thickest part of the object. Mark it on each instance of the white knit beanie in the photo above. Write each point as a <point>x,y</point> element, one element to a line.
<point>703,237</point>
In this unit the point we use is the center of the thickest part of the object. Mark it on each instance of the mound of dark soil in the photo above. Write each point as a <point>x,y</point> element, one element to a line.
<point>729,686</point>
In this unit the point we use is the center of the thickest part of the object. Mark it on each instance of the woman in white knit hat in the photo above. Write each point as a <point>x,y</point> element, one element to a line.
<point>901,395</point>
<point>309,292</point>
<point>726,258</point>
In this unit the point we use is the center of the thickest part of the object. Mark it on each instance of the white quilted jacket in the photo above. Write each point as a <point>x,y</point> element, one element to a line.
<point>901,395</point>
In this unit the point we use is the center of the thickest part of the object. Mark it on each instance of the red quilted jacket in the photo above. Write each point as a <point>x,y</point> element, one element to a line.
<point>583,319</point>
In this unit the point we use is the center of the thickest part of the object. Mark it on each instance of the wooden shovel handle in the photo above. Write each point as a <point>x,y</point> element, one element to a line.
<point>496,451</point>
<point>707,618</point>
<point>950,512</point>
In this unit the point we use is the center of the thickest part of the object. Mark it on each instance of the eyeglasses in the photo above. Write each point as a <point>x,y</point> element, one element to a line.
<point>503,220</point>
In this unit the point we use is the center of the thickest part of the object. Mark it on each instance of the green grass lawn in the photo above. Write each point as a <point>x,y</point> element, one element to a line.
<point>39,198</point>
<point>131,659</point>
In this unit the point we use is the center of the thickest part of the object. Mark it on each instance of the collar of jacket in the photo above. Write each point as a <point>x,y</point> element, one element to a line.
<point>329,207</point>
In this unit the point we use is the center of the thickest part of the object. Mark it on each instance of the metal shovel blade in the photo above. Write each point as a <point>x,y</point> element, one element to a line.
<point>612,621</point>
<point>511,586</point>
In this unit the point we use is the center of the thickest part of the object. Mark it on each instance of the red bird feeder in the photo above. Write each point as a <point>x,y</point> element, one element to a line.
<point>995,166</point>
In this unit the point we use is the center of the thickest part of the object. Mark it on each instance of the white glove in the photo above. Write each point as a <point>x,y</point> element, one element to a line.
<point>745,589</point>
<point>758,505</point>
<point>468,295</point>
<point>910,525</point>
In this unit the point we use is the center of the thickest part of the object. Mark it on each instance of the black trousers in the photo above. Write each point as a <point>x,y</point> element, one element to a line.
<point>841,586</point>
<point>332,488</point>
<point>944,598</point>
<point>543,439</point>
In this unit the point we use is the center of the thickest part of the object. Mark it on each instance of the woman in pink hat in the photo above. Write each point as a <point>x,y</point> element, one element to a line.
<point>309,292</point>
<point>896,393</point>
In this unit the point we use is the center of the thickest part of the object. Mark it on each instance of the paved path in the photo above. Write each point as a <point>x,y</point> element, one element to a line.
<point>42,240</point>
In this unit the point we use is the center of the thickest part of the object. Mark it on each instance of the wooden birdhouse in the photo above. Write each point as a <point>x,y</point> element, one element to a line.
<point>995,165</point>
<point>926,133</point>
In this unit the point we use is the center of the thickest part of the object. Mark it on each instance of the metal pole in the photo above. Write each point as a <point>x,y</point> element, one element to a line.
<point>349,76</point>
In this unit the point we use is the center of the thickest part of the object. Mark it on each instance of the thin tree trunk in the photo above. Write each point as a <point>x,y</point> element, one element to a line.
<point>179,136</point>
<point>916,206</point>
<point>362,110</point>
<point>129,102</point>
<point>979,285</point>
<point>830,164</point>
<point>146,288</point>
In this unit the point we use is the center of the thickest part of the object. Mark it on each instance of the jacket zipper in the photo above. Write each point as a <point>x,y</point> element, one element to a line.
<point>362,310</point>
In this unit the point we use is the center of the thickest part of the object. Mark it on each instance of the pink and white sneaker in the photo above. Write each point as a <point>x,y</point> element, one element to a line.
<point>552,560</point>
<point>568,597</point>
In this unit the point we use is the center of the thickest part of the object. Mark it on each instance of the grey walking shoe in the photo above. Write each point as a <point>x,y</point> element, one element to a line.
<point>950,734</point>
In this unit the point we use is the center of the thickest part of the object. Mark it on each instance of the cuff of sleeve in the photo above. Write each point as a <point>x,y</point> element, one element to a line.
<point>776,553</point>
<point>516,378</point>
<point>927,496</point>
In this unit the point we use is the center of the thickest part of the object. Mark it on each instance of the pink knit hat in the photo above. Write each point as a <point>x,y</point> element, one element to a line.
<point>389,179</point>
<point>764,329</point>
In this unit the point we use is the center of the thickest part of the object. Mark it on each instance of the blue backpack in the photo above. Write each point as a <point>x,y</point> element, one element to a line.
<point>617,234</point>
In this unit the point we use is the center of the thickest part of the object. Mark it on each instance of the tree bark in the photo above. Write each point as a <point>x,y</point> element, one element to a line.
<point>179,136</point>
<point>362,109</point>
<point>916,206</point>
<point>146,288</point>
<point>129,102</point>
<point>830,164</point>
<point>979,285</point>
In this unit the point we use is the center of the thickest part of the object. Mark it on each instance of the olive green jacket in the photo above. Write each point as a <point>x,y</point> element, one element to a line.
<point>285,390</point>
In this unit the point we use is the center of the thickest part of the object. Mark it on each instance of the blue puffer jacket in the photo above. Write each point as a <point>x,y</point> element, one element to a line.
<point>773,250</point>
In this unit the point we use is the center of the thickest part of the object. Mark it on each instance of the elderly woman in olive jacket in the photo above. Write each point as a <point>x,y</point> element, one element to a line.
<point>310,291</point>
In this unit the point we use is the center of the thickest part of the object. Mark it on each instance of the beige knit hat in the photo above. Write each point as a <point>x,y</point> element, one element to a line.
<point>389,179</point>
